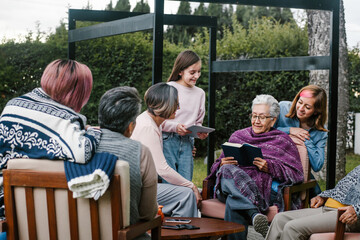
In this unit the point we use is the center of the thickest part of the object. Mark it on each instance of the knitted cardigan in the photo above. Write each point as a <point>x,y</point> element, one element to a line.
<point>128,150</point>
<point>35,126</point>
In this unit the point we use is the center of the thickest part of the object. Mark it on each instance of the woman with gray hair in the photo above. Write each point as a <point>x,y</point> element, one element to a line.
<point>248,191</point>
<point>179,196</point>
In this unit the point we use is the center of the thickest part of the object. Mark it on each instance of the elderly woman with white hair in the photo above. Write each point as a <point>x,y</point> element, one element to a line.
<point>248,191</point>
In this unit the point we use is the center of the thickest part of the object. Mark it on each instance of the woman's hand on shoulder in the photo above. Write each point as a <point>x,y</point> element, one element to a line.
<point>349,216</point>
<point>300,133</point>
<point>228,160</point>
<point>261,164</point>
<point>93,127</point>
<point>181,130</point>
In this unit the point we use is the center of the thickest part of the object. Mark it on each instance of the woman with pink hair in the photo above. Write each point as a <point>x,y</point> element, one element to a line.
<point>46,123</point>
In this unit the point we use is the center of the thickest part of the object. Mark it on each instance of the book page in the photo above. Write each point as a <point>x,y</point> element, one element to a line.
<point>233,144</point>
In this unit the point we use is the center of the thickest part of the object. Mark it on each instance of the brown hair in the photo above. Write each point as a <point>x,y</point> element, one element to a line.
<point>318,119</point>
<point>184,60</point>
<point>161,100</point>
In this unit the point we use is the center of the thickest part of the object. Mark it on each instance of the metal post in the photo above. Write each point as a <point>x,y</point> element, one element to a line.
<point>71,45</point>
<point>158,37</point>
<point>333,96</point>
<point>211,98</point>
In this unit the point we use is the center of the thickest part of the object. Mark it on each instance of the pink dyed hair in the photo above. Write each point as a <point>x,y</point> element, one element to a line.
<point>68,82</point>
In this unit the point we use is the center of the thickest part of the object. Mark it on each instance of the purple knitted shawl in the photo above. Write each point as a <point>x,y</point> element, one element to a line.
<point>283,161</point>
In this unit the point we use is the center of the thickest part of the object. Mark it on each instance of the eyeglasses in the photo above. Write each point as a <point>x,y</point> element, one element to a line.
<point>262,118</point>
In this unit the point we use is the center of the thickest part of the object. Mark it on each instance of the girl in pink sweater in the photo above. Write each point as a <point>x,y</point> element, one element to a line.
<point>178,145</point>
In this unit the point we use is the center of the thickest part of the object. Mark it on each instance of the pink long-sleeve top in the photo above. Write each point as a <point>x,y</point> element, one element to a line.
<point>192,107</point>
<point>148,133</point>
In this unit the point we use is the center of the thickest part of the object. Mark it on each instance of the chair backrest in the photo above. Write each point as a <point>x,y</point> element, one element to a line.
<point>303,156</point>
<point>39,205</point>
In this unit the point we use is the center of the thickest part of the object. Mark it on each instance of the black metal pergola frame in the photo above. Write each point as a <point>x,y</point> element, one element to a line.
<point>125,22</point>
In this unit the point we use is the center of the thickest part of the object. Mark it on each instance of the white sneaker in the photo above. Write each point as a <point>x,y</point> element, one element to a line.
<point>260,223</point>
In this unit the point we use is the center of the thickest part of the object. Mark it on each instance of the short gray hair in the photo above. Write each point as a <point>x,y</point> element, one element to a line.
<point>118,108</point>
<point>269,100</point>
<point>161,100</point>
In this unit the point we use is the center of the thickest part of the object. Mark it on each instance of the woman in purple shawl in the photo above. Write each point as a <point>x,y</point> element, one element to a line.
<point>248,191</point>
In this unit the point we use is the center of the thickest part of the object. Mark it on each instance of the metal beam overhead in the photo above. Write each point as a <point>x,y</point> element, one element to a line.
<point>190,20</point>
<point>126,25</point>
<point>301,4</point>
<point>99,15</point>
<point>273,64</point>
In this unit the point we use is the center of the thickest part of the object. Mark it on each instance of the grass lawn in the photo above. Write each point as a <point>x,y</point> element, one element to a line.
<point>352,160</point>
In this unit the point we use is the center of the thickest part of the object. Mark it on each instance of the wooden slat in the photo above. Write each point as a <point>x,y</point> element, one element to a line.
<point>29,178</point>
<point>30,209</point>
<point>73,217</point>
<point>9,201</point>
<point>116,208</point>
<point>50,200</point>
<point>205,192</point>
<point>287,199</point>
<point>94,216</point>
<point>340,227</point>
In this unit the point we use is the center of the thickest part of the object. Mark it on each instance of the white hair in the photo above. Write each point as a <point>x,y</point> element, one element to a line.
<point>269,100</point>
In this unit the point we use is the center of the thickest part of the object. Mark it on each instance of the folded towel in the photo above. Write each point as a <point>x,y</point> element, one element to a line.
<point>90,180</point>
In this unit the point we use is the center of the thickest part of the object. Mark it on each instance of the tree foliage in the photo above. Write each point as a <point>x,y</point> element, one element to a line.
<point>354,79</point>
<point>122,5</point>
<point>142,7</point>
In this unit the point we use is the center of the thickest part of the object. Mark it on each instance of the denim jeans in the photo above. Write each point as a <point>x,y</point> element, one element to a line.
<point>3,236</point>
<point>178,153</point>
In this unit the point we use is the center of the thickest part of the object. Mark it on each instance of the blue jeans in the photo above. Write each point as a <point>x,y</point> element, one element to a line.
<point>178,153</point>
<point>3,236</point>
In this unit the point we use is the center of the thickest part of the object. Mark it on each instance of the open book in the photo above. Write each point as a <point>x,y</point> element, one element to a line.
<point>243,153</point>
<point>201,129</point>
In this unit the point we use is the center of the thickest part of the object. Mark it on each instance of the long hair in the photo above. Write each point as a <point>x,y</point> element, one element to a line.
<point>184,60</point>
<point>67,82</point>
<point>318,119</point>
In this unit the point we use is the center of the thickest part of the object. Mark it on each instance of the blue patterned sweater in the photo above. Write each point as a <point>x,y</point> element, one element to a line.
<point>35,126</point>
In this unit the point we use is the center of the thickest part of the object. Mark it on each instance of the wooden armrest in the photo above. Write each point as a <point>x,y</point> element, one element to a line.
<point>3,226</point>
<point>205,191</point>
<point>142,227</point>
<point>340,227</point>
<point>302,186</point>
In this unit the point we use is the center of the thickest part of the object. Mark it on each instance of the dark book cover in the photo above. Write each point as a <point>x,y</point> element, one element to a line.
<point>243,153</point>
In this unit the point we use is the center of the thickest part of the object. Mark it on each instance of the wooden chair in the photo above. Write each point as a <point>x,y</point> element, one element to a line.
<point>39,206</point>
<point>214,208</point>
<point>339,233</point>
